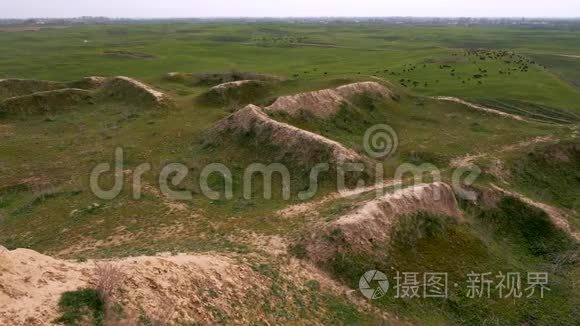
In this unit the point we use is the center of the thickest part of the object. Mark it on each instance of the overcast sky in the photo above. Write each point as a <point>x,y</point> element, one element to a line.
<point>287,8</point>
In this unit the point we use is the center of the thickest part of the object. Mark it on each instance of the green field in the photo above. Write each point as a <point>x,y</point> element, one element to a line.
<point>45,160</point>
<point>339,50</point>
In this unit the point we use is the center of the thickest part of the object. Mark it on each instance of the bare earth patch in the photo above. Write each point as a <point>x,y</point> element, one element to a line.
<point>322,104</point>
<point>31,285</point>
<point>469,159</point>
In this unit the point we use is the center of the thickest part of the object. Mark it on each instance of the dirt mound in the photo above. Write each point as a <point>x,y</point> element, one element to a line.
<point>372,224</point>
<point>321,104</point>
<point>132,91</point>
<point>191,286</point>
<point>236,94</point>
<point>62,97</point>
<point>213,79</point>
<point>295,144</point>
<point>31,285</point>
<point>195,289</point>
<point>327,102</point>
<point>19,87</point>
<point>46,102</point>
<point>183,284</point>
<point>88,83</point>
<point>373,89</point>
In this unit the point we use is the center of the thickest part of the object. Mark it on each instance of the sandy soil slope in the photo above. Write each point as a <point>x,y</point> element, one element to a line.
<point>373,222</point>
<point>298,144</point>
<point>31,285</point>
<point>327,102</point>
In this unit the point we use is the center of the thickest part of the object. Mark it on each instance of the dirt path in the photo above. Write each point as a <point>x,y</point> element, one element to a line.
<point>569,56</point>
<point>468,159</point>
<point>479,107</point>
<point>331,46</point>
<point>339,47</point>
<point>313,207</point>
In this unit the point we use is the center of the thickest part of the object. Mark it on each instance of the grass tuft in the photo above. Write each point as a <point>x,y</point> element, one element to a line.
<point>79,306</point>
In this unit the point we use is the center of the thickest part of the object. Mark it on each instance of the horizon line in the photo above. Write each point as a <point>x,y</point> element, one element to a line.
<point>298,17</point>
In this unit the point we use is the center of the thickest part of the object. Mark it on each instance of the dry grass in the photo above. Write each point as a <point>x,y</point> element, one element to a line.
<point>108,279</point>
